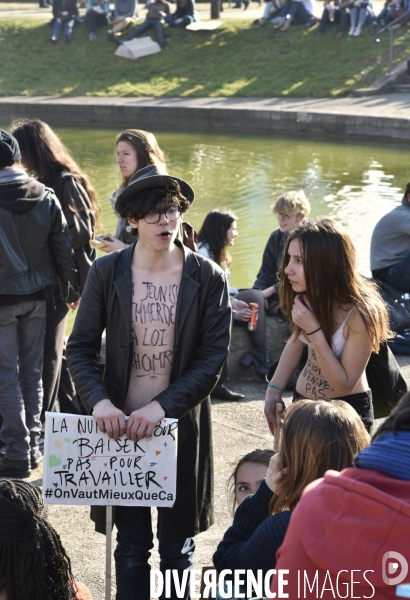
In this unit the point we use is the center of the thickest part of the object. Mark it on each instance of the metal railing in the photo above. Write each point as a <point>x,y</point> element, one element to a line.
<point>390,28</point>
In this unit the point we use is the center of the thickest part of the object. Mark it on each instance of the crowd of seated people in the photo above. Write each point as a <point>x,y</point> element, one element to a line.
<point>122,16</point>
<point>342,13</point>
<point>349,16</point>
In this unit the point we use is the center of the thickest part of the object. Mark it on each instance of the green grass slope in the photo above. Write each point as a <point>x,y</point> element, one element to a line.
<point>234,60</point>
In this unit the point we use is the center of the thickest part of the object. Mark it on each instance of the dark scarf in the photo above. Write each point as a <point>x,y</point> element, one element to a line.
<point>389,453</point>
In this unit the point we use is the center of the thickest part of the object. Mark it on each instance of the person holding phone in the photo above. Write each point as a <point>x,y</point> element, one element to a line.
<point>337,313</point>
<point>136,149</point>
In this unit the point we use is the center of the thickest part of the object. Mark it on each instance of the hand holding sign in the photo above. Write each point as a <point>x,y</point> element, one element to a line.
<point>141,423</point>
<point>110,420</point>
<point>83,465</point>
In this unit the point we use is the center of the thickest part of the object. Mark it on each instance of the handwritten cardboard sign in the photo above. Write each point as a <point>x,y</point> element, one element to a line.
<point>82,465</point>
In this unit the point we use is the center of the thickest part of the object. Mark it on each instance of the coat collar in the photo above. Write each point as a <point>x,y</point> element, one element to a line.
<point>191,262</point>
<point>187,292</point>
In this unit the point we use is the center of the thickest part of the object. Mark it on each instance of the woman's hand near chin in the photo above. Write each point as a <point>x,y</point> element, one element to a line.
<point>302,314</point>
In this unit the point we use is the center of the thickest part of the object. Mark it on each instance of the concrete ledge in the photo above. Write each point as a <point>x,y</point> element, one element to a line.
<point>277,334</point>
<point>386,82</point>
<point>381,117</point>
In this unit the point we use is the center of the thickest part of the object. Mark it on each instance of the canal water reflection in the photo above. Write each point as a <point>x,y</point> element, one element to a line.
<point>356,183</point>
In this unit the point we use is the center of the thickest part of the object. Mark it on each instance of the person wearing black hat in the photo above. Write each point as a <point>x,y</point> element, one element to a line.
<point>167,317</point>
<point>35,253</point>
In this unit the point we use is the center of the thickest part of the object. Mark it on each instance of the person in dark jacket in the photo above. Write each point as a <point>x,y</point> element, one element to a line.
<point>290,208</point>
<point>35,252</point>
<point>316,437</point>
<point>64,14</point>
<point>184,15</point>
<point>44,154</point>
<point>194,345</point>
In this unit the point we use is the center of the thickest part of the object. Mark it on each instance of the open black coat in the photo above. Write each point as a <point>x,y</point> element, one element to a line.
<point>202,335</point>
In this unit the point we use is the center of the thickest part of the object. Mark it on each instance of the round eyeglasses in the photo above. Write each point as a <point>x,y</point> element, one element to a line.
<point>153,216</point>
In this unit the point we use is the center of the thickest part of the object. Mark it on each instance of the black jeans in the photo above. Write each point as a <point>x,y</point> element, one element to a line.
<point>340,18</point>
<point>361,402</point>
<point>56,319</point>
<point>134,542</point>
<point>94,20</point>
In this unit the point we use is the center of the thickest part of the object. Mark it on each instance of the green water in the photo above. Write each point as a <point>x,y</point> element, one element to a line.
<point>356,183</point>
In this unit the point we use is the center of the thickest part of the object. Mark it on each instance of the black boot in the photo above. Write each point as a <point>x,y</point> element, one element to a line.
<point>260,358</point>
<point>220,392</point>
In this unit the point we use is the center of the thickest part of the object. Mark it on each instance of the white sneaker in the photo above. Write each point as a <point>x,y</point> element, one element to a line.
<point>358,30</point>
<point>352,29</point>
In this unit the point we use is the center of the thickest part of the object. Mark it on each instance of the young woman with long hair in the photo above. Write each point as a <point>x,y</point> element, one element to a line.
<point>317,436</point>
<point>336,312</point>
<point>350,507</point>
<point>217,234</point>
<point>136,149</point>
<point>33,562</point>
<point>44,154</point>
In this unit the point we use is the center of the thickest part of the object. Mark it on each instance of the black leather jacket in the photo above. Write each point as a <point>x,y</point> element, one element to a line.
<point>35,243</point>
<point>202,335</point>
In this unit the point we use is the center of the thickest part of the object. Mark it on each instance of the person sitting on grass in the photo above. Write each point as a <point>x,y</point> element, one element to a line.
<point>290,209</point>
<point>64,14</point>
<point>317,436</point>
<point>351,520</point>
<point>336,13</point>
<point>361,13</point>
<point>96,15</point>
<point>184,15</point>
<point>390,12</point>
<point>298,12</point>
<point>33,562</point>
<point>157,12</point>
<point>271,14</point>
<point>123,15</point>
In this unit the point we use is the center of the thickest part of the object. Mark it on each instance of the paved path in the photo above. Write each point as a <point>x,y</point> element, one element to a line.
<point>375,117</point>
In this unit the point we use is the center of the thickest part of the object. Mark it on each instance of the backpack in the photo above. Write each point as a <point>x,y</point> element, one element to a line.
<point>386,381</point>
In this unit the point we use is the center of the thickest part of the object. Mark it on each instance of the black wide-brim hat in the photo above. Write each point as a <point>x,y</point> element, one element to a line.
<point>148,178</point>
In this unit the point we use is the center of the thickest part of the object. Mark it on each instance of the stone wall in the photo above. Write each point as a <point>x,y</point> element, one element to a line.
<point>277,334</point>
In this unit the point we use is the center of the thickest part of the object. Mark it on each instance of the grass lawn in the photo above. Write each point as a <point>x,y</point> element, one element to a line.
<point>234,60</point>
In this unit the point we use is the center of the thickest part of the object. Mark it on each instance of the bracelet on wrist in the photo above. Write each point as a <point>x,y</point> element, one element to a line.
<point>274,386</point>
<point>312,332</point>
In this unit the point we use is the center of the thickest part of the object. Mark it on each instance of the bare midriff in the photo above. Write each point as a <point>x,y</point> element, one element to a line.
<point>313,384</point>
<point>154,300</point>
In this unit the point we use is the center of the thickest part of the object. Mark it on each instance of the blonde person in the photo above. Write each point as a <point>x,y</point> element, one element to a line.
<point>336,312</point>
<point>136,149</point>
<point>290,209</point>
<point>317,436</point>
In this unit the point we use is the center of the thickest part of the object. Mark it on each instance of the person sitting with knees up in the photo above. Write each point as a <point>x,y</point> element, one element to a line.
<point>290,209</point>
<point>317,436</point>
<point>33,562</point>
<point>155,19</point>
<point>334,13</point>
<point>361,13</point>
<point>217,234</point>
<point>350,528</point>
<point>96,16</point>
<point>64,14</point>
<point>184,15</point>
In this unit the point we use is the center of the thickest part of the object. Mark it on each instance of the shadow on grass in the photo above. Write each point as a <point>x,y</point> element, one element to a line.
<point>234,60</point>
